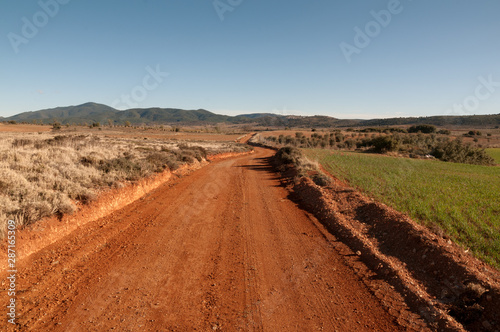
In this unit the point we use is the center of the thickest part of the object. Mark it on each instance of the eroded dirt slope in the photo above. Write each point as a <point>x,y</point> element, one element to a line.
<point>221,249</point>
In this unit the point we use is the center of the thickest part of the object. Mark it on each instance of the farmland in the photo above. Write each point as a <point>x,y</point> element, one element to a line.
<point>457,200</point>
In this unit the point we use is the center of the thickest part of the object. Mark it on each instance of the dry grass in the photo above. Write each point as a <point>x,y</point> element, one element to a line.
<point>47,174</point>
<point>23,128</point>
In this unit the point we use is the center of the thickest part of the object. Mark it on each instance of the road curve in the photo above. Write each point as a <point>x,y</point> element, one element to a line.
<point>220,249</point>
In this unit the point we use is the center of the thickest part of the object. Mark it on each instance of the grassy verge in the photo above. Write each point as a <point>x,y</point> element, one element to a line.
<point>460,200</point>
<point>45,174</point>
<point>495,154</point>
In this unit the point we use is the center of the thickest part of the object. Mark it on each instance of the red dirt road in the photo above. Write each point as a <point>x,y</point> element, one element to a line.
<point>220,249</point>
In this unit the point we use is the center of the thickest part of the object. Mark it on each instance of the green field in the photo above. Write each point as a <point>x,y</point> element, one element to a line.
<point>495,154</point>
<point>462,200</point>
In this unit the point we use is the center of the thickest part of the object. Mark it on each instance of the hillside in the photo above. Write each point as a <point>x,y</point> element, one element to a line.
<point>465,120</point>
<point>81,113</point>
<point>93,112</point>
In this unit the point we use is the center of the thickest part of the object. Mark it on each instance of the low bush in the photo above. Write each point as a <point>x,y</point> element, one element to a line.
<point>383,144</point>
<point>133,170</point>
<point>321,179</point>
<point>289,155</point>
<point>425,129</point>
<point>292,158</point>
<point>458,152</point>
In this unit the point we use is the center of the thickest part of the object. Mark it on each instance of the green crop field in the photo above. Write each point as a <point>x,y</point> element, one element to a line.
<point>462,200</point>
<point>495,154</point>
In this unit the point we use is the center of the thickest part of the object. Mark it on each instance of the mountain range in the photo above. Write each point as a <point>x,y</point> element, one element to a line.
<point>92,113</point>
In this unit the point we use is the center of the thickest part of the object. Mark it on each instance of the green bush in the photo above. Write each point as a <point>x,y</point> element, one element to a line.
<point>458,152</point>
<point>384,144</point>
<point>425,129</point>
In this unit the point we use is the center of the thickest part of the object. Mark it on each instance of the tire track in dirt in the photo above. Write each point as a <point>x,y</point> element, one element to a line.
<point>221,249</point>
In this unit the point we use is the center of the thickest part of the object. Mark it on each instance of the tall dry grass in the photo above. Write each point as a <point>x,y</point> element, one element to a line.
<point>47,174</point>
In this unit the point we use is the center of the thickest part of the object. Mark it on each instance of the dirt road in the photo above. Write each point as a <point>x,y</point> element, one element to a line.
<point>220,249</point>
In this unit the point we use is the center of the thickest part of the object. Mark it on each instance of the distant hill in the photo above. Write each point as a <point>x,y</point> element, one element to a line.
<point>442,121</point>
<point>93,112</point>
<point>169,115</point>
<point>78,114</point>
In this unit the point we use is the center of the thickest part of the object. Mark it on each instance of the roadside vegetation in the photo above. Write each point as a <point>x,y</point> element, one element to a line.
<point>494,153</point>
<point>456,200</point>
<point>292,159</point>
<point>421,141</point>
<point>48,174</point>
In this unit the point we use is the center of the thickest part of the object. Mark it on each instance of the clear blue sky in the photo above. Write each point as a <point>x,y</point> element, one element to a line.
<point>280,56</point>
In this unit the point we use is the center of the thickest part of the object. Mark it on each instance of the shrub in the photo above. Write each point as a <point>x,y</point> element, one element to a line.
<point>131,169</point>
<point>158,160</point>
<point>289,155</point>
<point>384,144</point>
<point>473,133</point>
<point>21,142</point>
<point>350,143</point>
<point>172,163</point>
<point>321,179</point>
<point>456,151</point>
<point>56,126</point>
<point>425,129</point>
<point>88,161</point>
<point>186,156</point>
